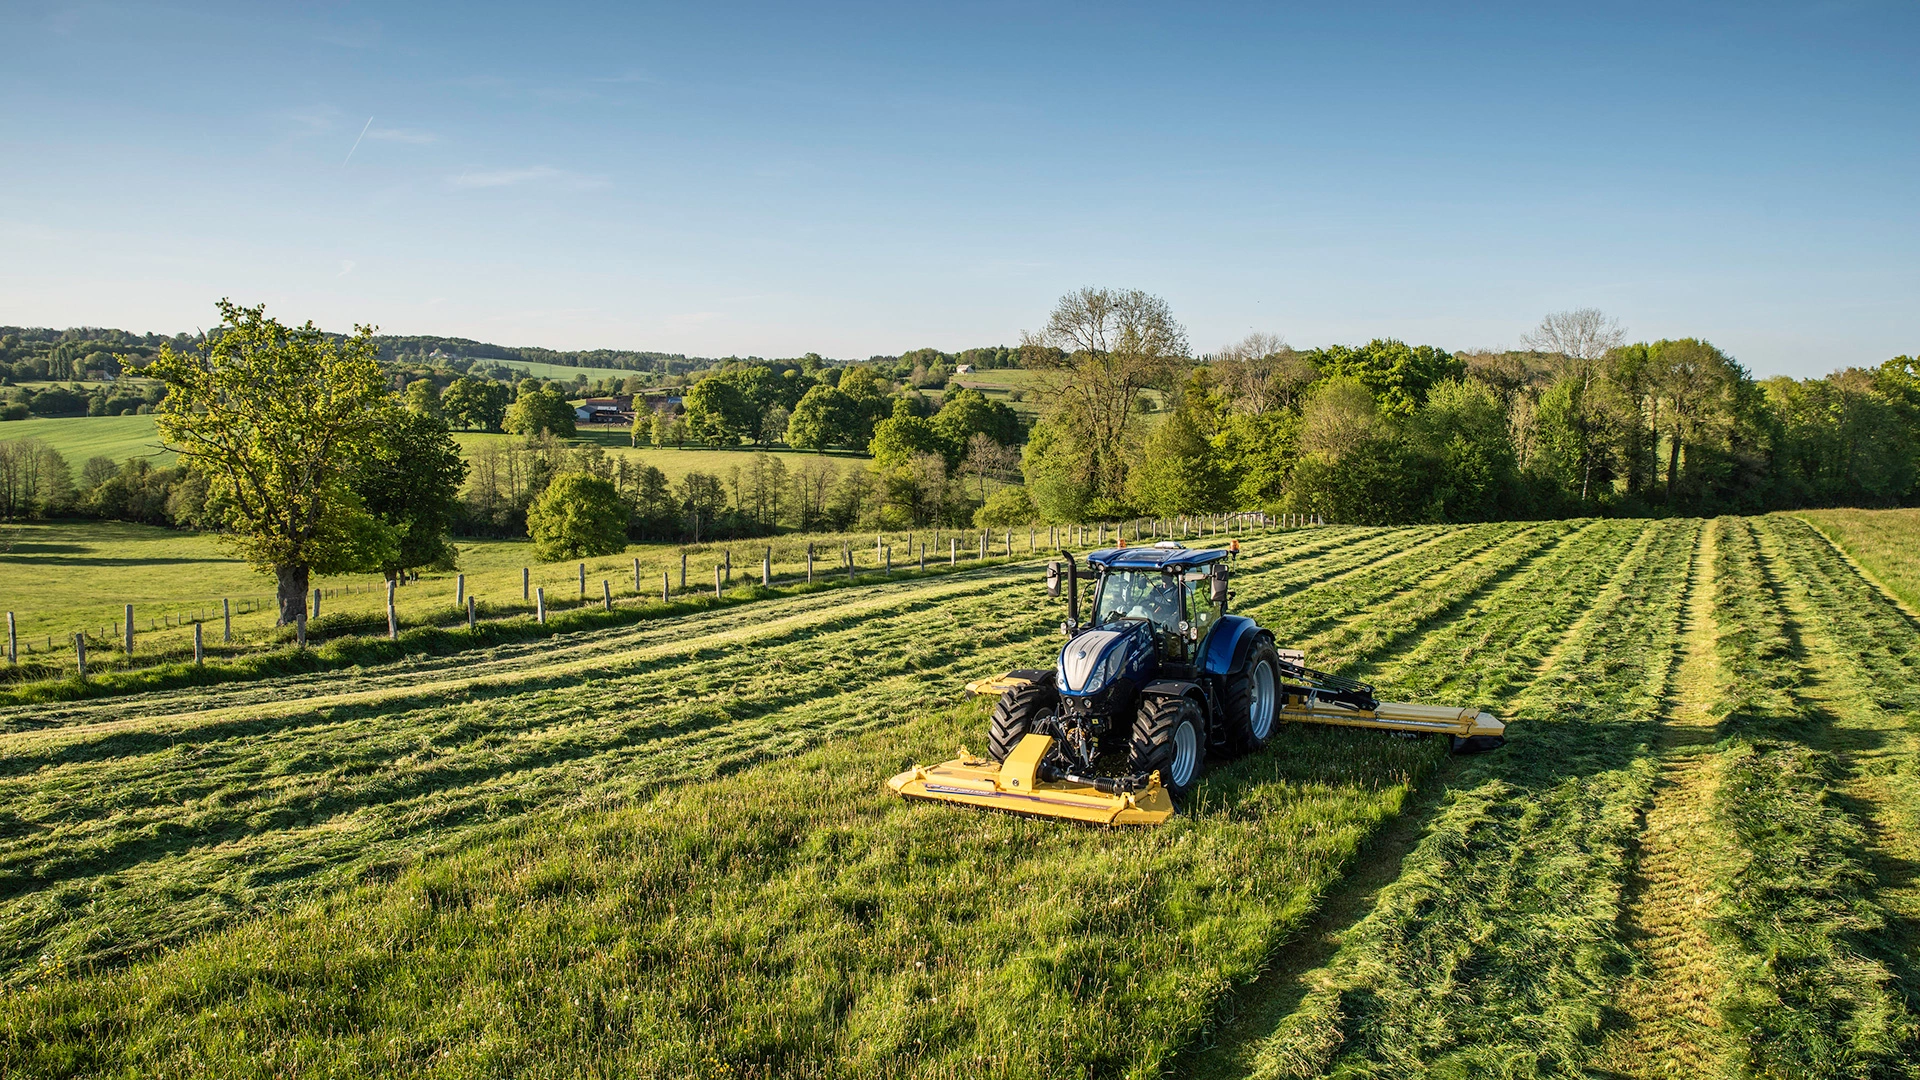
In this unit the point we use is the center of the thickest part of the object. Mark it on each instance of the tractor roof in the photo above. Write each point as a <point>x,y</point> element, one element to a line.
<point>1154,558</point>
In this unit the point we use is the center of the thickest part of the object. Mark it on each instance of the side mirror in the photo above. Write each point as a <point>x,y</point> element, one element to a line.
<point>1053,579</point>
<point>1220,593</point>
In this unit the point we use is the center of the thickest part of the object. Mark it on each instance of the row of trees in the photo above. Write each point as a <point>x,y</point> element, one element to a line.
<point>1386,432</point>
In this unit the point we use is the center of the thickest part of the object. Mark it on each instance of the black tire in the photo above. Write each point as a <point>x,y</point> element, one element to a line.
<point>1159,744</point>
<point>1014,716</point>
<point>1253,700</point>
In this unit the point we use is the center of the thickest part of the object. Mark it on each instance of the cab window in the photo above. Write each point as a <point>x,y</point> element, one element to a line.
<point>1200,610</point>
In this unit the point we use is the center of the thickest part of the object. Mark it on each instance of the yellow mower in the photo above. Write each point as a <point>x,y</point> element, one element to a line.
<point>1119,731</point>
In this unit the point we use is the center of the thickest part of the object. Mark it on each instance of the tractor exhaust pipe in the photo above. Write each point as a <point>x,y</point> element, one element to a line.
<point>1073,593</point>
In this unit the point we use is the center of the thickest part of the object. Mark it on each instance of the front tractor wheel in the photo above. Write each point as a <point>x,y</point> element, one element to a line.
<point>1015,715</point>
<point>1170,737</point>
<point>1253,700</point>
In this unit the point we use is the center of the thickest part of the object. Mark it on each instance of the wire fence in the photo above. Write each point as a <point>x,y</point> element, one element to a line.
<point>232,626</point>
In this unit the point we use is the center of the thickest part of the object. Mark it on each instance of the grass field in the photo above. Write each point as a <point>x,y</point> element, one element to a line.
<point>81,437</point>
<point>1880,540</point>
<point>664,849</point>
<point>63,578</point>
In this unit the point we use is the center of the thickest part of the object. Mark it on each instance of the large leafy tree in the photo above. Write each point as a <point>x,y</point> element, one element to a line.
<point>537,411</point>
<point>824,417</point>
<point>281,421</point>
<point>720,412</point>
<point>412,483</point>
<point>970,412</point>
<point>1397,374</point>
<point>578,516</point>
<point>475,404</point>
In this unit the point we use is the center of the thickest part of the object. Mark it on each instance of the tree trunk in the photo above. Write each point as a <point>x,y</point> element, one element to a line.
<point>292,589</point>
<point>1673,464</point>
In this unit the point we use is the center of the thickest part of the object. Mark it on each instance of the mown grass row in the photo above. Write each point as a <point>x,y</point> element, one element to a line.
<point>1808,991</point>
<point>788,917</point>
<point>1499,948</point>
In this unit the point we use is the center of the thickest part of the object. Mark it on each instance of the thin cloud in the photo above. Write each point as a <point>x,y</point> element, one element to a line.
<point>538,175</point>
<point>346,267</point>
<point>401,135</point>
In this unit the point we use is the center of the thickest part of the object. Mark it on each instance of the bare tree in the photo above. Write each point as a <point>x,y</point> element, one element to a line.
<point>1106,348</point>
<point>1581,334</point>
<point>1261,373</point>
<point>1582,338</point>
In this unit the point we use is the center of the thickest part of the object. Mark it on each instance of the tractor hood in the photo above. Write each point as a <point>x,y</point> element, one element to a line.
<point>1092,660</point>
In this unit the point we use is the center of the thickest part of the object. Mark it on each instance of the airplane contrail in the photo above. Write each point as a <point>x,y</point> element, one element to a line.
<point>356,142</point>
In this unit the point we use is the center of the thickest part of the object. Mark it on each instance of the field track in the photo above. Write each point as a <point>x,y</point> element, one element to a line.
<point>663,849</point>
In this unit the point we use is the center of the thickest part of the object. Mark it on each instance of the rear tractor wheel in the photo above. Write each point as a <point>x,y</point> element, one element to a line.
<point>1253,700</point>
<point>1015,715</point>
<point>1170,737</point>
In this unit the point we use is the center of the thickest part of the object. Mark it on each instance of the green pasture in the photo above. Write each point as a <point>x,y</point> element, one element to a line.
<point>78,438</point>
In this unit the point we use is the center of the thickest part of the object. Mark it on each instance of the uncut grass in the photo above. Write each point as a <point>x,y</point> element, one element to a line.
<point>1881,541</point>
<point>1499,948</point>
<point>256,801</point>
<point>1812,957</point>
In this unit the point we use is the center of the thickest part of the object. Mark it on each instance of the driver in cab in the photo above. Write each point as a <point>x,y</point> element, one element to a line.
<point>1158,603</point>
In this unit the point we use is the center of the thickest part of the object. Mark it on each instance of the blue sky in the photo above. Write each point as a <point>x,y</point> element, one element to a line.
<point>858,179</point>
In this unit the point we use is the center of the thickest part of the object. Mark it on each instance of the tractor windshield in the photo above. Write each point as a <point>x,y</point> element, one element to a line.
<point>1139,594</point>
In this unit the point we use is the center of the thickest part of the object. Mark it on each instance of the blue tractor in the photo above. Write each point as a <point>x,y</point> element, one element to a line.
<point>1160,678</point>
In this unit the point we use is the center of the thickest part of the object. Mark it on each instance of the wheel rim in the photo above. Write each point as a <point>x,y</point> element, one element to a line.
<point>1260,708</point>
<point>1186,753</point>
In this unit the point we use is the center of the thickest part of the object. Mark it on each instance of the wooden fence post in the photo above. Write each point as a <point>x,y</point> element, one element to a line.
<point>636,577</point>
<point>199,652</point>
<point>393,617</point>
<point>583,581</point>
<point>1029,539</point>
<point>809,562</point>
<point>953,551</point>
<point>889,560</point>
<point>226,615</point>
<point>13,641</point>
<point>666,587</point>
<point>300,628</point>
<point>606,594</point>
<point>460,590</point>
<point>766,568</point>
<point>526,578</point>
<point>729,554</point>
<point>1009,543</point>
<point>473,615</point>
<point>717,585</point>
<point>923,554</point>
<point>983,543</point>
<point>80,654</point>
<point>540,604</point>
<point>683,569</point>
<point>316,603</point>
<point>129,631</point>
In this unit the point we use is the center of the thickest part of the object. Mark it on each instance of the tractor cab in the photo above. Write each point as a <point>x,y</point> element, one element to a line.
<point>1178,593</point>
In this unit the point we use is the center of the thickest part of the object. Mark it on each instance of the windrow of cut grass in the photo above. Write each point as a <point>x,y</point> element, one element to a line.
<point>1498,950</point>
<point>1812,987</point>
